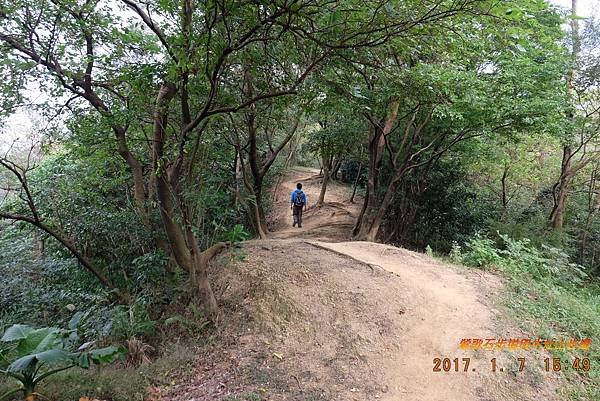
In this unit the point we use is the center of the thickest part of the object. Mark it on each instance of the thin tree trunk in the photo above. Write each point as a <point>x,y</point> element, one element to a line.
<point>504,191</point>
<point>286,164</point>
<point>237,173</point>
<point>139,190</point>
<point>336,168</point>
<point>259,212</point>
<point>255,188</point>
<point>593,208</point>
<point>356,183</point>
<point>258,172</point>
<point>378,215</point>
<point>259,167</point>
<point>560,193</point>
<point>557,216</point>
<point>359,221</point>
<point>326,176</point>
<point>39,245</point>
<point>203,279</point>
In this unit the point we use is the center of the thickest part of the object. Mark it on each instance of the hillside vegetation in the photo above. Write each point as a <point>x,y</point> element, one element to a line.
<point>449,151</point>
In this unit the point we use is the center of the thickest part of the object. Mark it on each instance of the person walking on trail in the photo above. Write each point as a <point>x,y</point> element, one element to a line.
<point>298,204</point>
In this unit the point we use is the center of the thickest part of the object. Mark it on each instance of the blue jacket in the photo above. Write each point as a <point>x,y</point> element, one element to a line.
<point>296,193</point>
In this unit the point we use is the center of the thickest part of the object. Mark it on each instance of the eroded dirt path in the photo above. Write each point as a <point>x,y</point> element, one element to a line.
<point>332,222</point>
<point>443,307</point>
<point>443,304</point>
<point>311,315</point>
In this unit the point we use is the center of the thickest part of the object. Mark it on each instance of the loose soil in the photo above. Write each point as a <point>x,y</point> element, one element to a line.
<point>310,315</point>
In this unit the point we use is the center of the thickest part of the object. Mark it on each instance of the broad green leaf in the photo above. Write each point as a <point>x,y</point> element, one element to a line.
<point>51,357</point>
<point>74,322</point>
<point>54,356</point>
<point>49,342</point>
<point>16,332</point>
<point>22,364</point>
<point>106,355</point>
<point>37,341</point>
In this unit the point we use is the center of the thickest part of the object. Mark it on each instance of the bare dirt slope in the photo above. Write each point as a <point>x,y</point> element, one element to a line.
<point>309,317</point>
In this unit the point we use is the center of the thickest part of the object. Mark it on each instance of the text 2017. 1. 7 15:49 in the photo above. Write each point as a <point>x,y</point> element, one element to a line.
<point>550,365</point>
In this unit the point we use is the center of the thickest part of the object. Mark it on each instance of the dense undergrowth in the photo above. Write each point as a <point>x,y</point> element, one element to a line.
<point>548,296</point>
<point>161,341</point>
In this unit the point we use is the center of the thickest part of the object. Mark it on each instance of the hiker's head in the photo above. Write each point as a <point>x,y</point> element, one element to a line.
<point>299,185</point>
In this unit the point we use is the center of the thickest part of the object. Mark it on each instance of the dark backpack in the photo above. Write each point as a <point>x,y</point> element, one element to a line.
<point>299,201</point>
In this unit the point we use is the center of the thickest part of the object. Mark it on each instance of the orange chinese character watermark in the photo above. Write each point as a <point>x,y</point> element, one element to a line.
<point>527,344</point>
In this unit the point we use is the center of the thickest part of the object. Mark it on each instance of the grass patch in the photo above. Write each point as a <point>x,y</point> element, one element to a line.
<point>550,298</point>
<point>554,311</point>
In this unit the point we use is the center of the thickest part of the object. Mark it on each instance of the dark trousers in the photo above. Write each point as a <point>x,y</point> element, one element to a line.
<point>297,213</point>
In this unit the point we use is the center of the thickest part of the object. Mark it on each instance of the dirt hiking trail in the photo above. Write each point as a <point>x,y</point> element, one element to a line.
<point>331,222</point>
<point>319,317</point>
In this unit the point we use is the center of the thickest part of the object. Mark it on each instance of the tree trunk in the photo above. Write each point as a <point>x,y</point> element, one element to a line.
<point>259,166</point>
<point>504,189</point>
<point>370,231</point>
<point>561,188</point>
<point>362,224</point>
<point>336,169</point>
<point>364,229</point>
<point>361,215</point>
<point>182,241</point>
<point>257,170</point>
<point>201,279</point>
<point>326,176</point>
<point>593,209</point>
<point>139,190</point>
<point>260,220</point>
<point>356,183</point>
<point>237,172</point>
<point>365,218</point>
<point>289,158</point>
<point>557,216</point>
